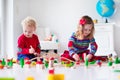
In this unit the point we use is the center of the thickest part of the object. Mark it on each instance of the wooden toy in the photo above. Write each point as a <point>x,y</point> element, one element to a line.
<point>3,62</point>
<point>30,78</point>
<point>10,64</point>
<point>6,78</point>
<point>1,66</point>
<point>99,63</point>
<point>119,77</point>
<point>51,70</point>
<point>27,64</point>
<point>116,70</point>
<point>14,60</point>
<point>110,63</point>
<point>22,62</point>
<point>26,60</point>
<point>86,62</point>
<point>49,55</point>
<point>110,58</point>
<point>39,65</point>
<point>116,60</point>
<point>46,63</point>
<point>56,77</point>
<point>33,64</point>
<point>51,62</point>
<point>67,62</point>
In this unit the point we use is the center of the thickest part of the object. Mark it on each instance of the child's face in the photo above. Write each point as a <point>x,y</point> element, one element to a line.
<point>87,29</point>
<point>28,31</point>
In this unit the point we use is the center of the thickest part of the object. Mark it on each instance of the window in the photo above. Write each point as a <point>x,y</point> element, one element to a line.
<point>6,29</point>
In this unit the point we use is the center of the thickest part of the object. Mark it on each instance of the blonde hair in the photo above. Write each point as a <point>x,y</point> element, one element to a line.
<point>29,21</point>
<point>79,32</point>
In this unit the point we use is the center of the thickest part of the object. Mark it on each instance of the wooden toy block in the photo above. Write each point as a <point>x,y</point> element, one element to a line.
<point>30,78</point>
<point>56,77</point>
<point>6,78</point>
<point>1,66</point>
<point>51,71</point>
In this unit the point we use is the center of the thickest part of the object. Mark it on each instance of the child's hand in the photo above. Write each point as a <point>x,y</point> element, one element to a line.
<point>76,57</point>
<point>31,50</point>
<point>35,54</point>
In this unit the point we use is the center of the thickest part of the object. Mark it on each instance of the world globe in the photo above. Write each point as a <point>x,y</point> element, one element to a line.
<point>105,8</point>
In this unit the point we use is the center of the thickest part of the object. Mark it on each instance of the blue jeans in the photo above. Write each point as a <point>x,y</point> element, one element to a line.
<point>30,56</point>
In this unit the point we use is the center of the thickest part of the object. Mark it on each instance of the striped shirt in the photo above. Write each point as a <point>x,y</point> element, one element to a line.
<point>78,46</point>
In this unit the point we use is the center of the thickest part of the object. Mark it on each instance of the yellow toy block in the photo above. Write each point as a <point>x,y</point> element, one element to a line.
<point>30,78</point>
<point>119,77</point>
<point>56,77</point>
<point>33,64</point>
<point>14,60</point>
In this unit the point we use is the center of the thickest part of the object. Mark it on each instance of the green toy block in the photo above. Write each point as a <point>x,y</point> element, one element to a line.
<point>116,70</point>
<point>6,78</point>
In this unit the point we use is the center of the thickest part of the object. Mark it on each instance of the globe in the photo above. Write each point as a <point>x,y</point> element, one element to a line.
<point>105,8</point>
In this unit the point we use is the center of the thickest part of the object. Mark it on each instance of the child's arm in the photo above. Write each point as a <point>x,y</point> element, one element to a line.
<point>38,49</point>
<point>21,48</point>
<point>71,48</point>
<point>71,45</point>
<point>94,46</point>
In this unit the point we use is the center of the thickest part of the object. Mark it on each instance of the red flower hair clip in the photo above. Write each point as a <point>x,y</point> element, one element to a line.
<point>82,21</point>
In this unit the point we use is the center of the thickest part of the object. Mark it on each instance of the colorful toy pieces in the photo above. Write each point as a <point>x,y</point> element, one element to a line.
<point>51,62</point>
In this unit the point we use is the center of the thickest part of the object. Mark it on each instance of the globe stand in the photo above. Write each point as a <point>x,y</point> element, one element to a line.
<point>106,20</point>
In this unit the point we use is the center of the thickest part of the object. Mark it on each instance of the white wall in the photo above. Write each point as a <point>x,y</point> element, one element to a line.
<point>21,10</point>
<point>61,16</point>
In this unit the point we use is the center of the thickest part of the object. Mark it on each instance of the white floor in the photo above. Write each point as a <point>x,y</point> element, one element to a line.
<point>80,73</point>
